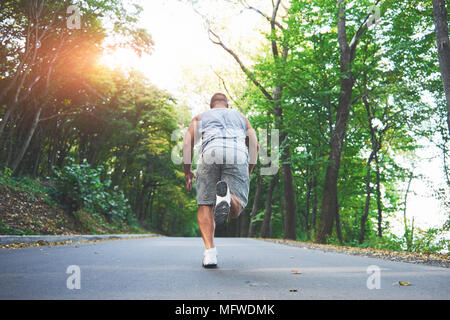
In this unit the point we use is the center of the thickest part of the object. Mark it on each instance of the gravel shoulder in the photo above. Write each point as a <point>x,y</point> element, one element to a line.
<point>14,242</point>
<point>433,259</point>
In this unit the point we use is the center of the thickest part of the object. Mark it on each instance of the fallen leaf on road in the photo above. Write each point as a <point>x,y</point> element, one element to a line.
<point>296,272</point>
<point>293,290</point>
<point>42,243</point>
<point>402,283</point>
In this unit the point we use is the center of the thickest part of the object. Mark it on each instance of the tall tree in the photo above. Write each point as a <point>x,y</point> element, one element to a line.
<point>275,101</point>
<point>443,46</point>
<point>330,210</point>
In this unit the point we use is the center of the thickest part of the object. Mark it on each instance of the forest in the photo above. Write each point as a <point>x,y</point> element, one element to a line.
<point>354,88</point>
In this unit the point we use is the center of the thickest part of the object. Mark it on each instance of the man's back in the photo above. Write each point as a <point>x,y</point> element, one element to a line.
<point>223,129</point>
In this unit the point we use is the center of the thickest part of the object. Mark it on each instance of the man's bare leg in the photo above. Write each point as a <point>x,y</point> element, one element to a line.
<point>235,207</point>
<point>205,221</point>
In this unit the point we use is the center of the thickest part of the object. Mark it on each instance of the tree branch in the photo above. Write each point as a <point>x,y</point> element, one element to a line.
<point>342,29</point>
<point>59,115</point>
<point>362,28</point>
<point>226,88</point>
<point>275,12</point>
<point>248,7</point>
<point>247,72</point>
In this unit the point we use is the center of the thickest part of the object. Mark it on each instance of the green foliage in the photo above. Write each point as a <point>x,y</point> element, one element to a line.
<point>433,240</point>
<point>79,186</point>
<point>424,241</point>
<point>5,176</point>
<point>32,186</point>
<point>388,242</point>
<point>7,230</point>
<point>259,217</point>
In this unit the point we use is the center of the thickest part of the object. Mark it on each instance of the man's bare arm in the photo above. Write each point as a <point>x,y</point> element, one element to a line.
<point>188,152</point>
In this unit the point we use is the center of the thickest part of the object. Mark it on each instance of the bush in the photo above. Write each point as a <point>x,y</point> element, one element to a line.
<point>5,175</point>
<point>424,241</point>
<point>431,241</point>
<point>79,186</point>
<point>387,242</point>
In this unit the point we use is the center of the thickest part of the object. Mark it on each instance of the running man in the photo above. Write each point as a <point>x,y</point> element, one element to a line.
<point>227,156</point>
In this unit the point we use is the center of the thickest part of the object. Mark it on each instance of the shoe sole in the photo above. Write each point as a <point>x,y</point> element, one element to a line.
<point>209,266</point>
<point>222,209</point>
<point>221,188</point>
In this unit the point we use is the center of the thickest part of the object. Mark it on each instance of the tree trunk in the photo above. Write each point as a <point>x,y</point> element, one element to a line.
<point>5,119</point>
<point>27,141</point>
<point>233,228</point>
<point>288,185</point>
<point>146,206</point>
<point>152,197</point>
<point>314,205</point>
<point>378,191</point>
<point>37,160</point>
<point>367,203</point>
<point>405,220</point>
<point>243,224</point>
<point>281,202</point>
<point>376,146</point>
<point>329,200</point>
<point>268,214</point>
<point>338,227</point>
<point>139,204</point>
<point>308,204</point>
<point>251,230</point>
<point>289,194</point>
<point>7,148</point>
<point>443,44</point>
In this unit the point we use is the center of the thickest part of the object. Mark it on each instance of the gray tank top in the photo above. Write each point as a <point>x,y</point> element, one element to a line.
<point>223,128</point>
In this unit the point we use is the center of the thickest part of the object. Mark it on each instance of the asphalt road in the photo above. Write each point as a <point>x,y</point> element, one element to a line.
<point>170,268</point>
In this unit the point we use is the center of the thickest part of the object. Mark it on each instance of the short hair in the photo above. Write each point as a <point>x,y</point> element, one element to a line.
<point>218,98</point>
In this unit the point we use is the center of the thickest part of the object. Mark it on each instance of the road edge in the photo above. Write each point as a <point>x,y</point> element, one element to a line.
<point>435,260</point>
<point>12,241</point>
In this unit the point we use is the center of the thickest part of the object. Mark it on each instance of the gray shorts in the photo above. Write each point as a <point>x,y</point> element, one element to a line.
<point>235,175</point>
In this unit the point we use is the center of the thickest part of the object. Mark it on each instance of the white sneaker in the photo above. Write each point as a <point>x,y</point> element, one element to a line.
<point>210,258</point>
<point>223,200</point>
